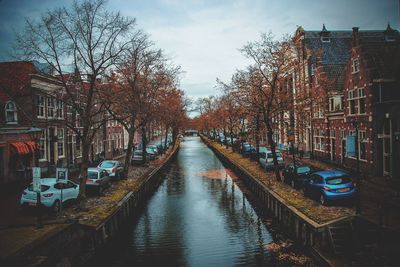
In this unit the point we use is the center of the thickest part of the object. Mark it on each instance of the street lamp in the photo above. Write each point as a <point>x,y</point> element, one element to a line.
<point>358,208</point>
<point>35,134</point>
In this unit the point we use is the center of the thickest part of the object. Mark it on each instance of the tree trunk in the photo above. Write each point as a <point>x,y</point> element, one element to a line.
<point>83,173</point>
<point>166,137</point>
<point>257,136</point>
<point>272,144</point>
<point>144,143</point>
<point>128,152</point>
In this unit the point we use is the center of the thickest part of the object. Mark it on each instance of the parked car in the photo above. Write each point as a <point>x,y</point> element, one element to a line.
<point>137,157</point>
<point>153,148</point>
<point>114,168</point>
<point>150,153</point>
<point>50,195</point>
<point>247,149</point>
<point>297,176</point>
<point>330,185</point>
<point>98,179</point>
<point>266,160</point>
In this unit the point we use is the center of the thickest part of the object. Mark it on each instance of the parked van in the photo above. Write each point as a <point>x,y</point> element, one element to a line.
<point>266,160</point>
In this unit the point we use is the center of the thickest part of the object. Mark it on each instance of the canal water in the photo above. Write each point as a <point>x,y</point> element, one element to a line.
<point>199,216</point>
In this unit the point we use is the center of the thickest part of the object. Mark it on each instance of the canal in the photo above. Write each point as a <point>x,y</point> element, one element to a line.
<point>199,216</point>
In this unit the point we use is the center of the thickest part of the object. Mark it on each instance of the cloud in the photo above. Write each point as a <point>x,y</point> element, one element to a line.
<point>203,36</point>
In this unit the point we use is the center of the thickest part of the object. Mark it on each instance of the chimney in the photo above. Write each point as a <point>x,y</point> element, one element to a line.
<point>356,37</point>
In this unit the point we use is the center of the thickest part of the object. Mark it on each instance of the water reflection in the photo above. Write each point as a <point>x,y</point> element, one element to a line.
<point>197,220</point>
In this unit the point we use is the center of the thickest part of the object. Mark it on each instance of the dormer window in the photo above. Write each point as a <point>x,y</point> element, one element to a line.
<point>355,65</point>
<point>389,38</point>
<point>325,39</point>
<point>11,112</point>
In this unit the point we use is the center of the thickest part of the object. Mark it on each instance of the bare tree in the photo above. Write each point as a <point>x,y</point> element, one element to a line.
<point>270,61</point>
<point>86,38</point>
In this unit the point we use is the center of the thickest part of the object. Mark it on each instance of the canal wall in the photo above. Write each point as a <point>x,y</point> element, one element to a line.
<point>74,244</point>
<point>307,232</point>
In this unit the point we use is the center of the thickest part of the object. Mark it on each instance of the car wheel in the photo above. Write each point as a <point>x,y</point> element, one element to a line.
<point>292,183</point>
<point>56,206</point>
<point>323,200</point>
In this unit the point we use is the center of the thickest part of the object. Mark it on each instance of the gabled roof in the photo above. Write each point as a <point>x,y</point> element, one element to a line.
<point>381,56</point>
<point>336,51</point>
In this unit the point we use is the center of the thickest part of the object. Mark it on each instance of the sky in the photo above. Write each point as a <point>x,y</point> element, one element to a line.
<point>204,36</point>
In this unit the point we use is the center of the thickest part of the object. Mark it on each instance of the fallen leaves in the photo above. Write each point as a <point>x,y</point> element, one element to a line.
<point>308,207</point>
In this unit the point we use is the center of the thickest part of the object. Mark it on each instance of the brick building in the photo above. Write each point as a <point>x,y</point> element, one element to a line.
<point>29,97</point>
<point>352,80</point>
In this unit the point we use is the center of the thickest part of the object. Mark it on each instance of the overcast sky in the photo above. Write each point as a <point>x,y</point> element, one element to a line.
<point>203,36</point>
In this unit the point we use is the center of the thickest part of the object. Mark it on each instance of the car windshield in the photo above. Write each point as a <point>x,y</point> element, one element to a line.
<point>107,164</point>
<point>44,187</point>
<point>278,154</point>
<point>92,175</point>
<point>303,169</point>
<point>338,180</point>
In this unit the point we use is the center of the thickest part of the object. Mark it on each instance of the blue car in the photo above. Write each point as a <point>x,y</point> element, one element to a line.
<point>330,185</point>
<point>247,149</point>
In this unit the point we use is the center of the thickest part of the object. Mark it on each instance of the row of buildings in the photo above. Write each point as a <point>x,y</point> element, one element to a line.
<point>30,97</point>
<point>352,80</point>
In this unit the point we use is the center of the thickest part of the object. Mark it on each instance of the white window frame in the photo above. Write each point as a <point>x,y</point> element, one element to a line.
<point>12,110</point>
<point>355,65</point>
<point>357,95</point>
<point>335,104</point>
<point>59,109</point>
<point>40,106</point>
<point>51,107</point>
<point>60,142</point>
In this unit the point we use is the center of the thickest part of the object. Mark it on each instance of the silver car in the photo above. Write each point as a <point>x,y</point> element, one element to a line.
<point>114,168</point>
<point>98,179</point>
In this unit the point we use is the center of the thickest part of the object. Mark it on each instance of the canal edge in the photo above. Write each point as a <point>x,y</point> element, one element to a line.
<point>308,233</point>
<point>73,243</point>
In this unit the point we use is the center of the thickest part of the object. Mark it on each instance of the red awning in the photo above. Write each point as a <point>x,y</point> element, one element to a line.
<point>22,148</point>
<point>31,145</point>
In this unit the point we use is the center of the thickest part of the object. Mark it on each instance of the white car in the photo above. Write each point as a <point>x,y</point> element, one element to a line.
<point>50,196</point>
<point>266,159</point>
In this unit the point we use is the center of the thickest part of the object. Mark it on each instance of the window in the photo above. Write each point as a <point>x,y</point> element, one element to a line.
<point>60,109</point>
<point>50,107</point>
<point>318,140</point>
<point>355,65</point>
<point>389,38</point>
<point>325,39</point>
<point>60,142</point>
<point>42,146</point>
<point>40,106</point>
<point>356,98</point>
<point>335,103</point>
<point>11,112</point>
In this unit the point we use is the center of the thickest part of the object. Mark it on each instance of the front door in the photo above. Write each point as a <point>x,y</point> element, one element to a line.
<point>387,148</point>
